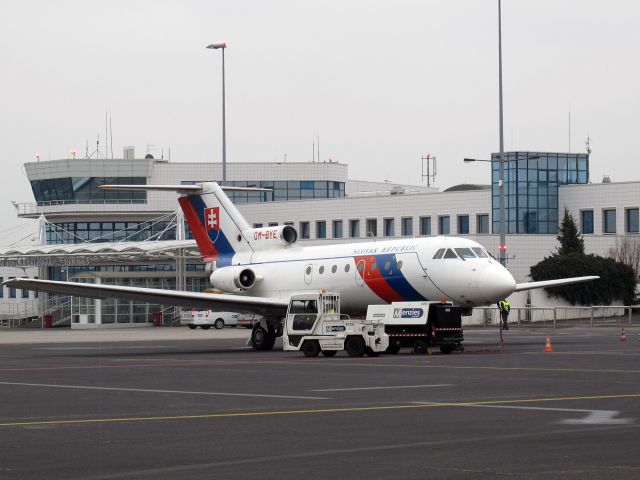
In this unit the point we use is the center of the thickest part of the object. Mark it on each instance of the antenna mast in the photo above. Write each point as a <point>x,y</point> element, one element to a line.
<point>429,168</point>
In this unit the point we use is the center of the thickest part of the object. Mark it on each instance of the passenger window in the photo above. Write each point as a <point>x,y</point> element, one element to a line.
<point>399,264</point>
<point>334,269</point>
<point>465,253</point>
<point>321,270</point>
<point>387,266</point>
<point>438,254</point>
<point>479,252</point>
<point>374,266</point>
<point>347,267</point>
<point>450,254</point>
<point>360,266</point>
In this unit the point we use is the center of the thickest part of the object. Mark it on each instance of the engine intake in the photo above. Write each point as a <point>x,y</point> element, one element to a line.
<point>229,279</point>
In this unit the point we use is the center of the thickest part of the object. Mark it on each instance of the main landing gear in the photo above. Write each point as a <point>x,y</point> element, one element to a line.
<point>263,336</point>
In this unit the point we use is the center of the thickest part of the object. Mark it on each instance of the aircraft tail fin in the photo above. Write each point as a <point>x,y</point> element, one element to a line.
<point>215,222</point>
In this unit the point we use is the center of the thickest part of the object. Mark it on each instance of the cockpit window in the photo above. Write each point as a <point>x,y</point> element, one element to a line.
<point>439,253</point>
<point>465,253</point>
<point>450,254</point>
<point>479,252</point>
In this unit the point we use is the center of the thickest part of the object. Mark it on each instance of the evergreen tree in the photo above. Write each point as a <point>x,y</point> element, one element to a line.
<point>569,237</point>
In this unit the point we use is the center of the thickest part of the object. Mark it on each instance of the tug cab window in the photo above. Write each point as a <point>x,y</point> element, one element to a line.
<point>439,254</point>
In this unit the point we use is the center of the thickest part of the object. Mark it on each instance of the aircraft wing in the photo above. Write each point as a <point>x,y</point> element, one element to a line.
<point>553,283</point>
<point>204,301</point>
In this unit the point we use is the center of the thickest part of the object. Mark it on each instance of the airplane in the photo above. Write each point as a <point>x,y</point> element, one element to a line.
<point>257,270</point>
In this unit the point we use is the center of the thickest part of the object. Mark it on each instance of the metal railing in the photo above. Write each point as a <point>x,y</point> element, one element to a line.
<point>593,316</point>
<point>30,208</point>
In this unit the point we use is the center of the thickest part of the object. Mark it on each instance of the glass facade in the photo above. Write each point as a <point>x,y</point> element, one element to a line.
<point>321,229</point>
<point>282,190</point>
<point>85,190</point>
<point>531,183</point>
<point>80,232</point>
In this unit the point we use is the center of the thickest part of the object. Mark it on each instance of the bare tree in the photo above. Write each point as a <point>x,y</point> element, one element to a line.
<point>627,250</point>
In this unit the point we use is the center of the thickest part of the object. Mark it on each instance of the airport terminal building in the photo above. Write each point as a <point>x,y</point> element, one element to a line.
<point>139,238</point>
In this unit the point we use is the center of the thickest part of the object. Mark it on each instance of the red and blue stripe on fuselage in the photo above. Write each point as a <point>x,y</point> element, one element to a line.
<point>383,276</point>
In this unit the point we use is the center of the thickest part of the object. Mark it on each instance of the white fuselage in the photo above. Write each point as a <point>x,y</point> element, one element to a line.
<point>380,271</point>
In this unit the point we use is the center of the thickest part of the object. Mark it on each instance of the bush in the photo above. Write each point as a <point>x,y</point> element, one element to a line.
<point>616,282</point>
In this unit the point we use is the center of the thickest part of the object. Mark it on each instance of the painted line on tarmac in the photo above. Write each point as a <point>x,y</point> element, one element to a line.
<point>374,408</point>
<point>594,417</point>
<point>378,388</point>
<point>144,390</point>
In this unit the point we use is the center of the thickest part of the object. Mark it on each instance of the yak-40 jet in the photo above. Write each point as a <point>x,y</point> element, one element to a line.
<point>257,270</point>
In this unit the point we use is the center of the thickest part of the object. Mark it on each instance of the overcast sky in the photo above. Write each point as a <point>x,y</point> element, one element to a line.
<point>380,82</point>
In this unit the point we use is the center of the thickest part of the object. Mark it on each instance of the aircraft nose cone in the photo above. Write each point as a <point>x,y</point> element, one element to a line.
<point>496,283</point>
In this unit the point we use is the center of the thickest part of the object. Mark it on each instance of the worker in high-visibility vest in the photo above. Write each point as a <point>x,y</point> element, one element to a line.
<point>504,307</point>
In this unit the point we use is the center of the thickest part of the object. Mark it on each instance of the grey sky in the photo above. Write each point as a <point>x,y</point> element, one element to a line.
<point>381,82</point>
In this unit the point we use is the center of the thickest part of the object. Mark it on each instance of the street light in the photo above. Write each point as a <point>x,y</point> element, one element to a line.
<point>503,243</point>
<point>222,46</point>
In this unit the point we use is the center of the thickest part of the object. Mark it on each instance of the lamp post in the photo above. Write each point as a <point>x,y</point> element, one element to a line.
<point>503,243</point>
<point>222,46</point>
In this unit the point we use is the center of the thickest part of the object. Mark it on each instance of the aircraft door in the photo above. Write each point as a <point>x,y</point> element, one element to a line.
<point>359,272</point>
<point>308,274</point>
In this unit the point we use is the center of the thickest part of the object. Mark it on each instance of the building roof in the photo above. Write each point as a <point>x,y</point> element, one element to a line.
<point>95,253</point>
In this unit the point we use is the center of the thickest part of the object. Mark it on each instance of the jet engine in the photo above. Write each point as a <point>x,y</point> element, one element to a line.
<point>229,279</point>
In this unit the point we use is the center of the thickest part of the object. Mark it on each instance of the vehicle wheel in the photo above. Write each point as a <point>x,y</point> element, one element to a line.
<point>329,353</point>
<point>354,346</point>
<point>192,327</point>
<point>218,324</point>
<point>310,348</point>
<point>392,349</point>
<point>420,347</point>
<point>205,327</point>
<point>446,348</point>
<point>262,339</point>
<point>369,351</point>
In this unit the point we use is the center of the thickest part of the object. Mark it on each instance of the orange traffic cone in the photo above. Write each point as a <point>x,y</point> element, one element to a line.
<point>623,336</point>
<point>547,347</point>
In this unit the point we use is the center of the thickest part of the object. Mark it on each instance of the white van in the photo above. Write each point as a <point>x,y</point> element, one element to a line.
<point>206,319</point>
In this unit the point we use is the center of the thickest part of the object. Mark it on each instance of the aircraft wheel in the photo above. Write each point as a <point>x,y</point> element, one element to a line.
<point>420,347</point>
<point>192,327</point>
<point>310,348</point>
<point>218,324</point>
<point>354,346</point>
<point>262,339</point>
<point>205,327</point>
<point>329,353</point>
<point>369,351</point>
<point>446,349</point>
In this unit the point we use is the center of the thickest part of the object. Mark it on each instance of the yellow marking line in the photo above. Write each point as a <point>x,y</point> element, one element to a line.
<point>312,411</point>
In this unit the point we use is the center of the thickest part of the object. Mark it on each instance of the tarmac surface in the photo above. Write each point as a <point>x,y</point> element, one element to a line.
<point>178,403</point>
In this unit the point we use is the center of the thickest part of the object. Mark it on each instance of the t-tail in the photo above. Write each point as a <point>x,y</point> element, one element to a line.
<point>217,225</point>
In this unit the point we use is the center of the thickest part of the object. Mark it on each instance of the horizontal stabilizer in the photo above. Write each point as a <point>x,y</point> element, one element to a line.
<point>553,283</point>
<point>190,189</point>
<point>203,301</point>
